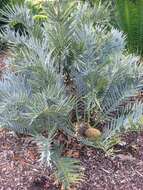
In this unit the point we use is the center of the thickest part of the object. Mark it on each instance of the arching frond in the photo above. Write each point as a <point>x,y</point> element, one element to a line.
<point>15,14</point>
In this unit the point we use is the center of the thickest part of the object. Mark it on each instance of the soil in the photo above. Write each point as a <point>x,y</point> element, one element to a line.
<point>21,170</point>
<point>122,171</point>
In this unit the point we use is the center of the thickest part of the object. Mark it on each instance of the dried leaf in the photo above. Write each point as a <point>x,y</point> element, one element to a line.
<point>72,153</point>
<point>31,155</point>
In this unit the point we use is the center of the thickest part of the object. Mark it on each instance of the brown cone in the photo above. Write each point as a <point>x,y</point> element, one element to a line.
<point>92,133</point>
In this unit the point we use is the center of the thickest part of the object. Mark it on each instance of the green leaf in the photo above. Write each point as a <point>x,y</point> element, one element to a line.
<point>68,171</point>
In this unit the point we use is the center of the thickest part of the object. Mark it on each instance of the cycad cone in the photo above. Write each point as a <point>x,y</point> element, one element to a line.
<point>92,133</point>
<point>85,129</point>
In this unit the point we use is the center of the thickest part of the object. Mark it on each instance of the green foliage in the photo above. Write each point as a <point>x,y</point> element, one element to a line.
<point>3,3</point>
<point>130,20</point>
<point>6,6</point>
<point>68,170</point>
<point>18,24</point>
<point>73,41</point>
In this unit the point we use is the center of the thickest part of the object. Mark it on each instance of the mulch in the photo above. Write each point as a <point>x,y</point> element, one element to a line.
<point>122,171</point>
<point>20,168</point>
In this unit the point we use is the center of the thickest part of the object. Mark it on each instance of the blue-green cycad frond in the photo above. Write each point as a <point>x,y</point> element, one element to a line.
<point>97,46</point>
<point>23,42</point>
<point>114,43</point>
<point>68,170</point>
<point>15,14</point>
<point>59,11</point>
<point>122,83</point>
<point>14,95</point>
<point>50,103</point>
<point>122,121</point>
<point>98,15</point>
<point>45,146</point>
<point>90,42</point>
<point>13,90</point>
<point>120,66</point>
<point>59,29</point>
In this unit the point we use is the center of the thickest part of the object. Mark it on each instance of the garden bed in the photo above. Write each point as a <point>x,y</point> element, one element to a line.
<point>20,169</point>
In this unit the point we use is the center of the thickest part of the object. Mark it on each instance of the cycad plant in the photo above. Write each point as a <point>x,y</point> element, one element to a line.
<point>67,74</point>
<point>36,11</point>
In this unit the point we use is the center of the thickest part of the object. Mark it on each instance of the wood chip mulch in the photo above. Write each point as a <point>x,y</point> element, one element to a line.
<point>19,165</point>
<point>122,171</point>
<point>21,170</point>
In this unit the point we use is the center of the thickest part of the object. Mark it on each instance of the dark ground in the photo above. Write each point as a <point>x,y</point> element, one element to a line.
<point>20,169</point>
